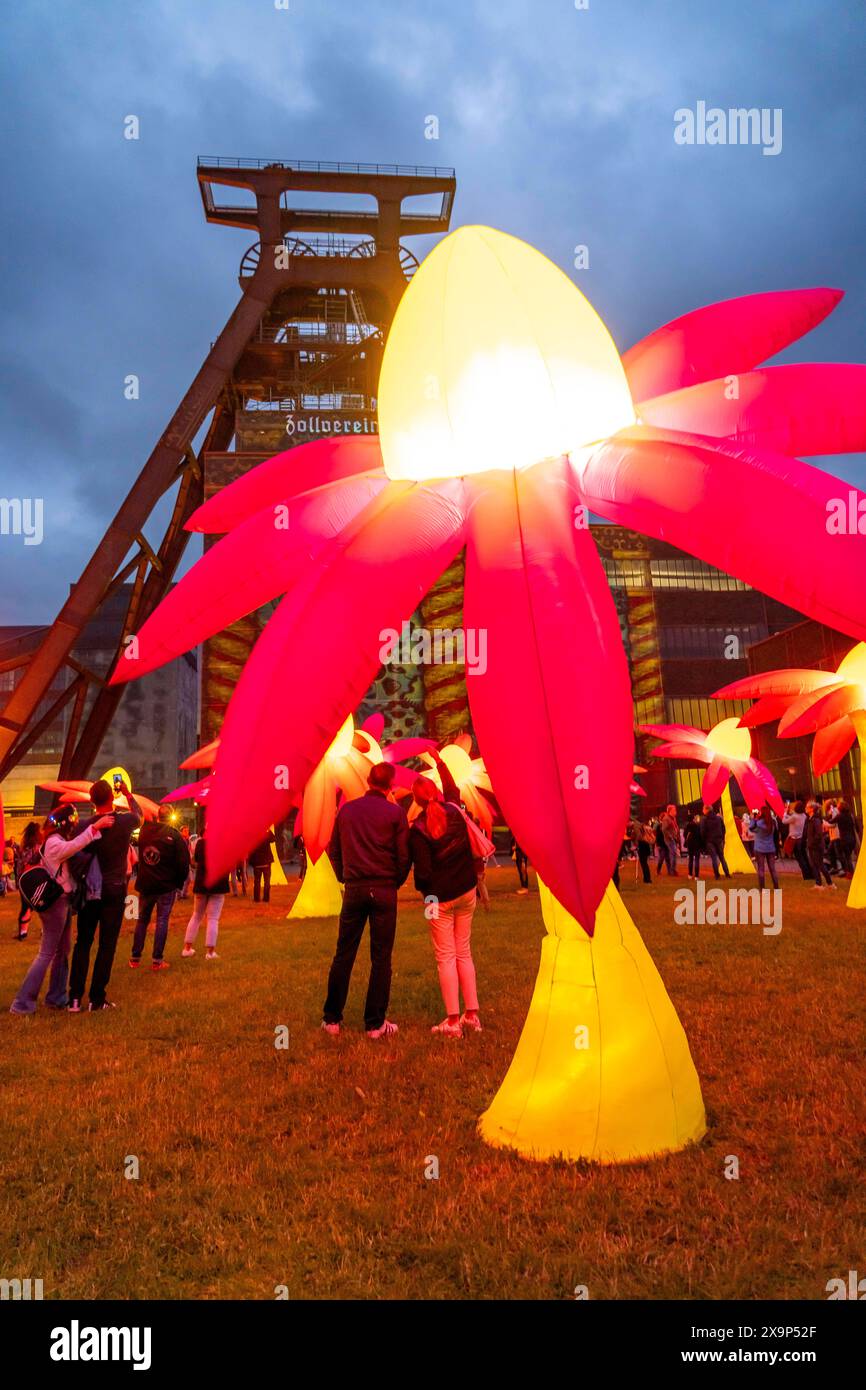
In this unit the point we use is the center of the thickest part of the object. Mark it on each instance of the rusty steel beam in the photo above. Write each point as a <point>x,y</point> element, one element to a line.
<point>156,477</point>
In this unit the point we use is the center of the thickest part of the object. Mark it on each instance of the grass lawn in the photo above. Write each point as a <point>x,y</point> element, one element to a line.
<point>305,1168</point>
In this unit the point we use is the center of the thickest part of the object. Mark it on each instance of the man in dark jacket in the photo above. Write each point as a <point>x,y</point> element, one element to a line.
<point>106,912</point>
<point>163,869</point>
<point>369,850</point>
<point>713,838</point>
<point>261,858</point>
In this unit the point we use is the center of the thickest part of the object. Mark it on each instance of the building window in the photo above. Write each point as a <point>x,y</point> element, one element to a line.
<point>677,643</point>
<point>703,714</point>
<point>685,573</point>
<point>688,782</point>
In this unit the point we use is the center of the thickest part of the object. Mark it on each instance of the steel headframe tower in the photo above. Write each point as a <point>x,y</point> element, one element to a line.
<point>319,289</point>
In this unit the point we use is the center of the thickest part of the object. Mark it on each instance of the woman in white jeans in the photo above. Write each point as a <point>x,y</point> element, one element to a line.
<point>208,902</point>
<point>446,874</point>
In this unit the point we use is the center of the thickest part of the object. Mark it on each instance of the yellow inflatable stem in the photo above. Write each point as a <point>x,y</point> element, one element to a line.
<point>602,1070</point>
<point>736,854</point>
<point>278,873</point>
<point>320,895</point>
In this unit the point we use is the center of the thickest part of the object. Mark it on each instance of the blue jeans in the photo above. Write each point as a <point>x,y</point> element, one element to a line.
<point>163,902</point>
<point>54,954</point>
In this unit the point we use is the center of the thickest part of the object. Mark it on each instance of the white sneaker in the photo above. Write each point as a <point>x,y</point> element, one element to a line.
<point>211,955</point>
<point>447,1029</point>
<point>188,951</point>
<point>387,1030</point>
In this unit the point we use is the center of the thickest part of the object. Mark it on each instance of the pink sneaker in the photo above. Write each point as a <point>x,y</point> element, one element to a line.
<point>160,965</point>
<point>387,1030</point>
<point>333,1029</point>
<point>473,1023</point>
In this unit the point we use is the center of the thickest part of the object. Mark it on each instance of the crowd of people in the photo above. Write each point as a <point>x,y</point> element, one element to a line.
<point>823,839</point>
<point>85,877</point>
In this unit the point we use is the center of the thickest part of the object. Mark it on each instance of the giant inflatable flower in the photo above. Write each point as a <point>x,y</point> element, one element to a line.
<point>727,752</point>
<point>505,410</point>
<point>829,704</point>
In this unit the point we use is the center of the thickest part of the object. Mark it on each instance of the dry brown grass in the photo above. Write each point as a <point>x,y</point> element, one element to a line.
<point>305,1168</point>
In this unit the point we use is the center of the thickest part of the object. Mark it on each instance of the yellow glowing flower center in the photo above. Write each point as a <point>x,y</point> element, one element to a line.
<point>852,668</point>
<point>727,739</point>
<point>494,360</point>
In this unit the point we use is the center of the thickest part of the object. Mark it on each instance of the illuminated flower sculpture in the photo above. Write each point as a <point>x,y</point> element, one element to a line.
<point>727,751</point>
<point>78,793</point>
<point>829,704</point>
<point>470,777</point>
<point>342,773</point>
<point>505,411</point>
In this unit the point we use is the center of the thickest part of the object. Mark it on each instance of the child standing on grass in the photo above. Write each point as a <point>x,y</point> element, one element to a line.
<point>208,900</point>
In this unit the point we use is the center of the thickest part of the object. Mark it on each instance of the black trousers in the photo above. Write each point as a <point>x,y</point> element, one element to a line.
<point>522,863</point>
<point>261,874</point>
<point>644,853</point>
<point>106,914</point>
<point>378,905</point>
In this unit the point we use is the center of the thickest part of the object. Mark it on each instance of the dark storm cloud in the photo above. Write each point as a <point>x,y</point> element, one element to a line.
<point>558,121</point>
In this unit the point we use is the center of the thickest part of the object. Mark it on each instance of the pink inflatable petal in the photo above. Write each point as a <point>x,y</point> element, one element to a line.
<point>772,683</point>
<point>830,745</point>
<point>535,586</point>
<point>66,786</point>
<point>802,707</point>
<point>191,791</point>
<point>738,511</point>
<point>764,710</point>
<point>807,408</point>
<point>636,789</point>
<point>825,709</point>
<point>403,748</point>
<point>320,811</point>
<point>683,732</point>
<point>204,757</point>
<point>250,566</point>
<point>285,475</point>
<point>715,779</point>
<point>764,776</point>
<point>278,727</point>
<point>463,740</point>
<point>756,790</point>
<point>684,750</point>
<point>374,725</point>
<point>723,339</point>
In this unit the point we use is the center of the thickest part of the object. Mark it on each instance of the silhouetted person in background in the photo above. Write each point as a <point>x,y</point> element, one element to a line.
<point>261,859</point>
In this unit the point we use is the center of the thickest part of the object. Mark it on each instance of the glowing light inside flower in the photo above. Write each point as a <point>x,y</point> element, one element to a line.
<point>495,360</point>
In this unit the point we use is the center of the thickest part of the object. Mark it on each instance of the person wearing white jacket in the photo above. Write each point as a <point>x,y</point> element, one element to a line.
<point>59,846</point>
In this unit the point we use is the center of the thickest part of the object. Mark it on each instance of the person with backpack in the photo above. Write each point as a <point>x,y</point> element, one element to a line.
<point>28,854</point>
<point>446,875</point>
<point>56,887</point>
<point>163,869</point>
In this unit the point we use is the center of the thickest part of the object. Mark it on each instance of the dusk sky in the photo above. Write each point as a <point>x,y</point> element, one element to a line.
<point>558,121</point>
